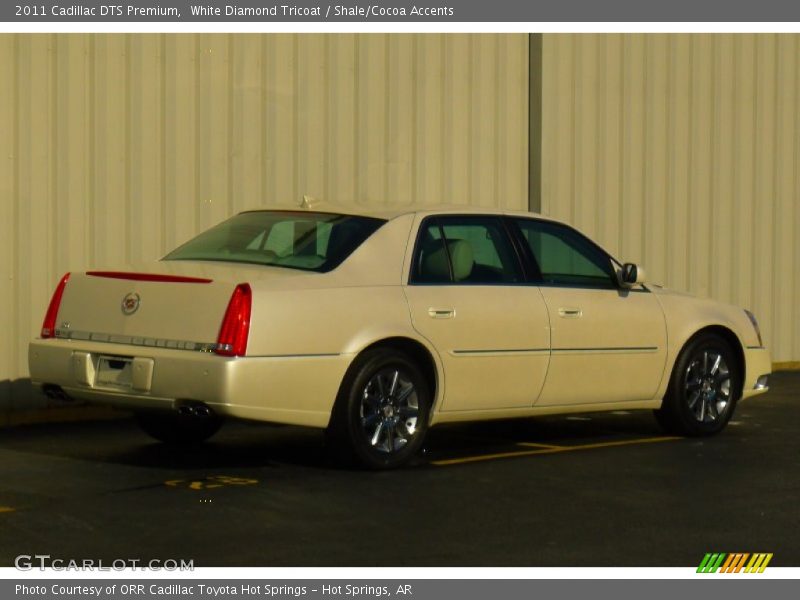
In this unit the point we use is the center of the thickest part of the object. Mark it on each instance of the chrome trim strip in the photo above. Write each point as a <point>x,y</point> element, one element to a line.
<point>621,350</point>
<point>500,352</point>
<point>131,340</point>
<point>504,352</point>
<point>128,340</point>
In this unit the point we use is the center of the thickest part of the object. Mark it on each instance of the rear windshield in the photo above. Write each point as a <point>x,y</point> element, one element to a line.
<point>296,240</point>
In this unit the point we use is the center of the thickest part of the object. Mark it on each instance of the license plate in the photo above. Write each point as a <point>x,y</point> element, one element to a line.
<point>115,372</point>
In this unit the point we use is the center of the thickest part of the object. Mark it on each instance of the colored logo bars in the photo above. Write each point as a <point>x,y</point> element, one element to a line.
<point>734,563</point>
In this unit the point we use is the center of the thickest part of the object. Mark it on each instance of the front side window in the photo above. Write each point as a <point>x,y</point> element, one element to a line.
<point>565,257</point>
<point>464,250</point>
<point>297,240</point>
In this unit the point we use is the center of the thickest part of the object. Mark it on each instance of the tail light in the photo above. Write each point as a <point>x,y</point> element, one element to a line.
<point>49,324</point>
<point>232,339</point>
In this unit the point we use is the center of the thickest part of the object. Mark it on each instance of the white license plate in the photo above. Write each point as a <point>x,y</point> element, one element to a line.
<point>115,372</point>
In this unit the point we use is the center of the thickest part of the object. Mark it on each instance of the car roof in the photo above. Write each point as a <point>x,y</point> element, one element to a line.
<point>391,212</point>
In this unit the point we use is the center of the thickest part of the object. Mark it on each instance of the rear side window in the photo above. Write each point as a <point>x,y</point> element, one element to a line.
<point>565,257</point>
<point>464,250</point>
<point>296,240</point>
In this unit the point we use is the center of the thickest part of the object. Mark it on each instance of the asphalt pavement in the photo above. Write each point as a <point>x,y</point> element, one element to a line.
<point>584,490</point>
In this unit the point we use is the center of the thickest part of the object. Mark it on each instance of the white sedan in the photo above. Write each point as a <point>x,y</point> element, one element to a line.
<point>379,324</point>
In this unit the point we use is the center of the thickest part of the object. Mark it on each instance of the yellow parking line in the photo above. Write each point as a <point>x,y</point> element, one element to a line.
<point>481,457</point>
<point>623,443</point>
<point>210,482</point>
<point>4,509</point>
<point>550,450</point>
<point>535,445</point>
<point>482,439</point>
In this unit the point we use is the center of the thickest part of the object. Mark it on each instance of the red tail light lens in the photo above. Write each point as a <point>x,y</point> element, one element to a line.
<point>232,339</point>
<point>49,324</point>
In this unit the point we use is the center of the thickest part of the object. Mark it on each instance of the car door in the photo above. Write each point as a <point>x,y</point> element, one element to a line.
<point>608,343</point>
<point>468,296</point>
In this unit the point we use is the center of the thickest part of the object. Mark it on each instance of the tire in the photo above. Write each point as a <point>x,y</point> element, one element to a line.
<point>381,415</point>
<point>177,429</point>
<point>704,387</point>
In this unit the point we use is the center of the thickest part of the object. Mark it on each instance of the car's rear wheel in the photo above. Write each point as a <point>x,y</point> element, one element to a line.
<point>703,389</point>
<point>381,415</point>
<point>178,429</point>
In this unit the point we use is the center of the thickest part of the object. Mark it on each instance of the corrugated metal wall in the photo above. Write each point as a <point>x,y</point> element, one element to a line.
<point>118,147</point>
<point>678,151</point>
<point>682,152</point>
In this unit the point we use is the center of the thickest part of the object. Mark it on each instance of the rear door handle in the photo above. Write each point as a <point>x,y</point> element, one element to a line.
<point>441,313</point>
<point>570,313</point>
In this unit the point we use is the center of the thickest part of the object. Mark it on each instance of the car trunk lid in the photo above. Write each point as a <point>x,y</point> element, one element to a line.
<point>158,305</point>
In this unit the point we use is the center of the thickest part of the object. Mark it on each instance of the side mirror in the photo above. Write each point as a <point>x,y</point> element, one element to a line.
<point>631,274</point>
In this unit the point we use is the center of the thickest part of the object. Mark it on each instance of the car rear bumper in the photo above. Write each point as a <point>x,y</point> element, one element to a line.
<point>296,389</point>
<point>758,368</point>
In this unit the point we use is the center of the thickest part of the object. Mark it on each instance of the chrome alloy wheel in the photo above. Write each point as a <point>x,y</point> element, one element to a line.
<point>389,410</point>
<point>707,386</point>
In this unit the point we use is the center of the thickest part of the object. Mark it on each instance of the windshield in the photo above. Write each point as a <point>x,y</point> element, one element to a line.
<point>297,240</point>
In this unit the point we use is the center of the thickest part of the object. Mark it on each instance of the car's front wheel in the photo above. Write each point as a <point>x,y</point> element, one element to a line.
<point>381,415</point>
<point>176,428</point>
<point>703,389</point>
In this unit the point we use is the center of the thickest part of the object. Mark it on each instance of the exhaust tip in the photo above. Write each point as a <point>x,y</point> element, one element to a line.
<point>185,410</point>
<point>55,392</point>
<point>195,410</point>
<point>202,411</point>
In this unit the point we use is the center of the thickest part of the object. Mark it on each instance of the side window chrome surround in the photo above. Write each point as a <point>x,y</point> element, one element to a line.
<point>450,248</point>
<point>612,283</point>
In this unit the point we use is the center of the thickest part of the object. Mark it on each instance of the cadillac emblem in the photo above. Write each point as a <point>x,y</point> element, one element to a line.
<point>130,303</point>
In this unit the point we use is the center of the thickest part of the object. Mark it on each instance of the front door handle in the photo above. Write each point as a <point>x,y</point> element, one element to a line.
<point>570,313</point>
<point>441,313</point>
